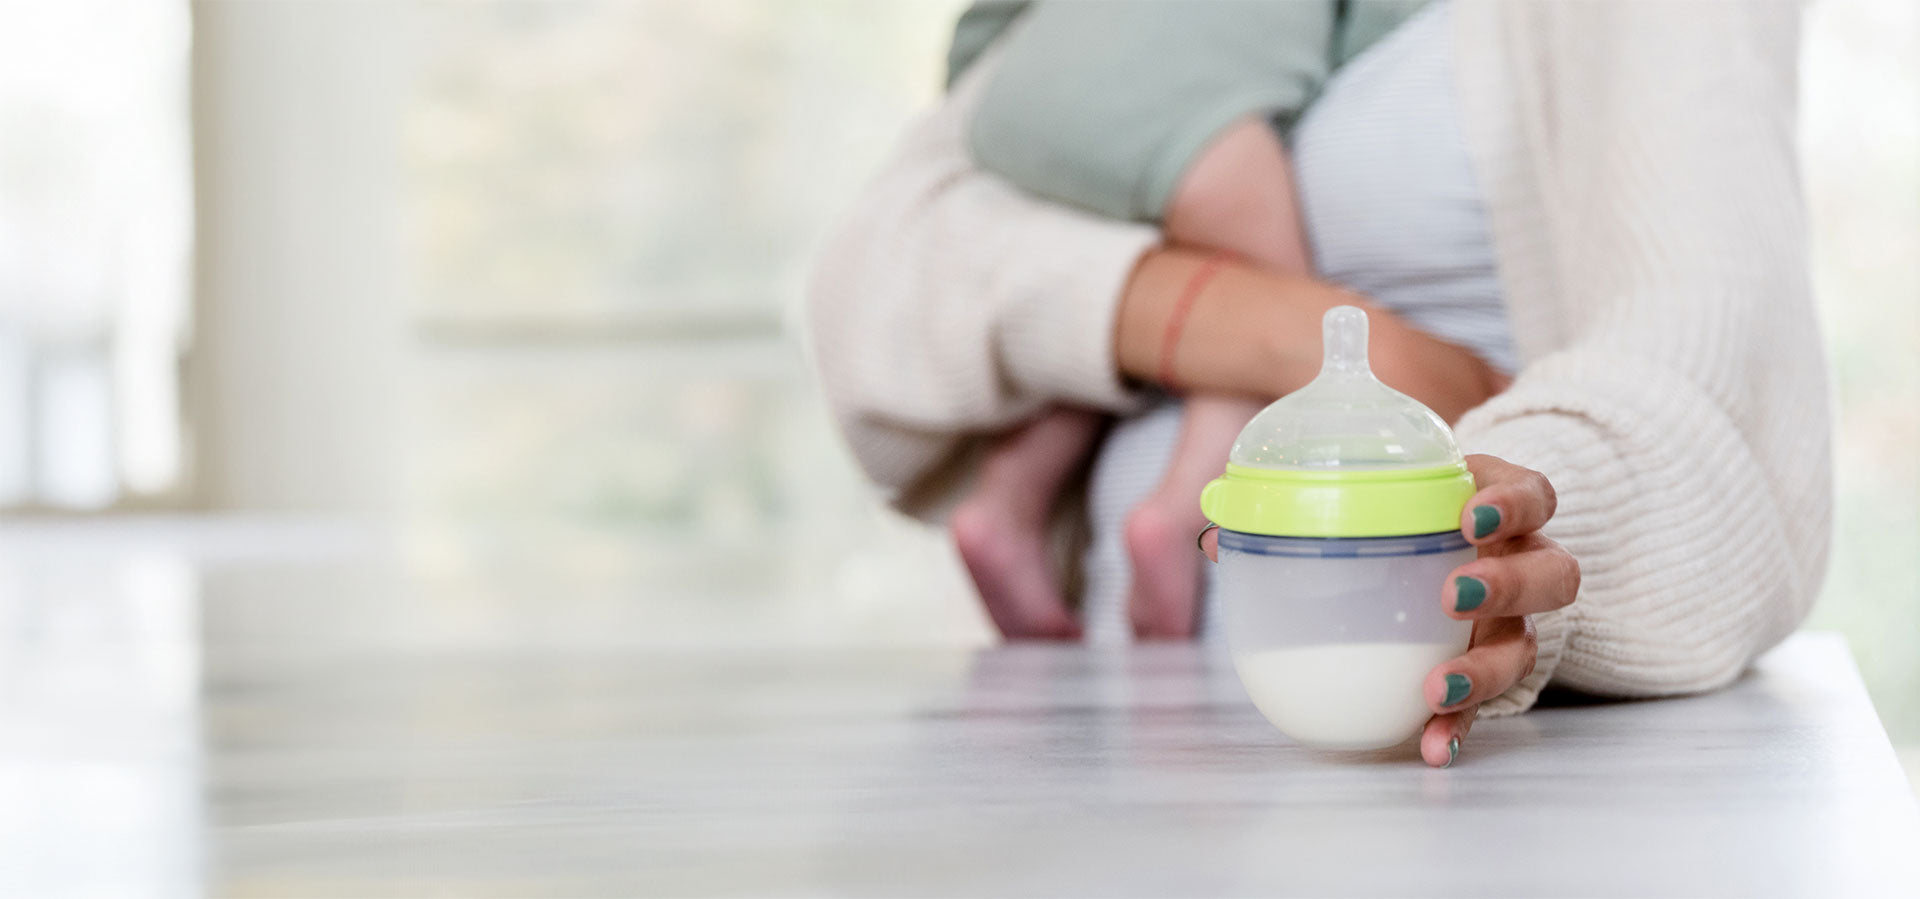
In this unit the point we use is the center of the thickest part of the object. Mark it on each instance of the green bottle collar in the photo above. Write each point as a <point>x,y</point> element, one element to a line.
<point>1387,502</point>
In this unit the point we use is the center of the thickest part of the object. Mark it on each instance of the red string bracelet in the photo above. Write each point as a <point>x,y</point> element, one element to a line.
<point>1177,322</point>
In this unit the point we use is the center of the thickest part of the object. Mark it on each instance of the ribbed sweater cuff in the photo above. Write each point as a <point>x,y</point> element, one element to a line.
<point>1056,338</point>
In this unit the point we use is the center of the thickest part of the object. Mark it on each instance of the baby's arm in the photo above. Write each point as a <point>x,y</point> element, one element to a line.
<point>1238,196</point>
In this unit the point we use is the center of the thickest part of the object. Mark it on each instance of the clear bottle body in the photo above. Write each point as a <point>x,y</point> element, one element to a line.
<point>1333,637</point>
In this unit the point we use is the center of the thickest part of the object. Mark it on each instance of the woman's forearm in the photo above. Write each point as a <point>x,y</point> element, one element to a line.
<point>1249,331</point>
<point>1234,336</point>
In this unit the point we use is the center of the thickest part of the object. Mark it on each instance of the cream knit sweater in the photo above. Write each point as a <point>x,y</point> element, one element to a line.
<point>1638,159</point>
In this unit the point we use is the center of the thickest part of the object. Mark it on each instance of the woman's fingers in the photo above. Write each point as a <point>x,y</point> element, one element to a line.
<point>1511,501</point>
<point>1441,741</point>
<point>1519,572</point>
<point>1503,653</point>
<point>1210,542</point>
<point>1521,576</point>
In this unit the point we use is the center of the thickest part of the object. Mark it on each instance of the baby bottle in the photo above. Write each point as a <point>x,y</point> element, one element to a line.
<point>1339,519</point>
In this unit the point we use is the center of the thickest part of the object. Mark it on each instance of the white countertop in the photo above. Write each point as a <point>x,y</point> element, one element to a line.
<point>1055,771</point>
<point>1027,771</point>
<point>184,729</point>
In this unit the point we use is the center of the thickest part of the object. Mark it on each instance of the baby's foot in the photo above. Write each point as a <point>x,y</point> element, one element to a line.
<point>1007,556</point>
<point>1166,568</point>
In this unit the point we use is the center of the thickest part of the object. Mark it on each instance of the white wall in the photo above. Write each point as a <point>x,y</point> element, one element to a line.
<point>297,358</point>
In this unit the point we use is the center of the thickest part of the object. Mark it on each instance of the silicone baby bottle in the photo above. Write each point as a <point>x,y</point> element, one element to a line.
<point>1339,519</point>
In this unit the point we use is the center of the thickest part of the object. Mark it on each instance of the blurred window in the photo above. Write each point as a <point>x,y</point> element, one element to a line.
<point>647,169</point>
<point>95,246</point>
<point>611,207</point>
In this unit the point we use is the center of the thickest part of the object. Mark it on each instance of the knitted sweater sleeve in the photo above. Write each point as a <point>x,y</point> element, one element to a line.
<point>1642,185</point>
<point>948,304</point>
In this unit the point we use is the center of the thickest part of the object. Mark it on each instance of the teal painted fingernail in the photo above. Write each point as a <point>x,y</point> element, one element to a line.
<point>1458,686</point>
<point>1453,751</point>
<point>1486,520</point>
<point>1468,593</point>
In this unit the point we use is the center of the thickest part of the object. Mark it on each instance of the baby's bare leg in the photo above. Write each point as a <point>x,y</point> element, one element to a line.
<point>1001,527</point>
<point>1163,601</point>
<point>1237,197</point>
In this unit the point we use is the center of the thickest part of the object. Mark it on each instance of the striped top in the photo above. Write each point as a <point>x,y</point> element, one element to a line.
<point>1388,193</point>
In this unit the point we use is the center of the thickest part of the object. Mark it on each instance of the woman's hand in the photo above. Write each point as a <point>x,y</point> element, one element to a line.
<point>1518,573</point>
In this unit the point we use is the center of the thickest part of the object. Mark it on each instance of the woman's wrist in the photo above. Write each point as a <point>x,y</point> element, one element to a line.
<point>1146,305</point>
<point>1245,330</point>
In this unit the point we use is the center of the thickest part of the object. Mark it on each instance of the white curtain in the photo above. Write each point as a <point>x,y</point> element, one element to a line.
<point>95,251</point>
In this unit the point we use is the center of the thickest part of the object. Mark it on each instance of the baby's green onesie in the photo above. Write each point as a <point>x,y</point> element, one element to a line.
<point>1103,105</point>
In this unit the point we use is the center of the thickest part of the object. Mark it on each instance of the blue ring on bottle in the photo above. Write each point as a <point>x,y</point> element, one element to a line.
<point>1343,547</point>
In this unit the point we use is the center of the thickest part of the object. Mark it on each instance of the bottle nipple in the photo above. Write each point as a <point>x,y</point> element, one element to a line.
<point>1345,419</point>
<point>1343,334</point>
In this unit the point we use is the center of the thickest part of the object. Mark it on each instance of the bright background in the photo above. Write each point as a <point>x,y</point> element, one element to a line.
<point>509,287</point>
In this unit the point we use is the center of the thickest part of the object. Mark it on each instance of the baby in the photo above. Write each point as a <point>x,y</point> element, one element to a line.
<point>1163,112</point>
